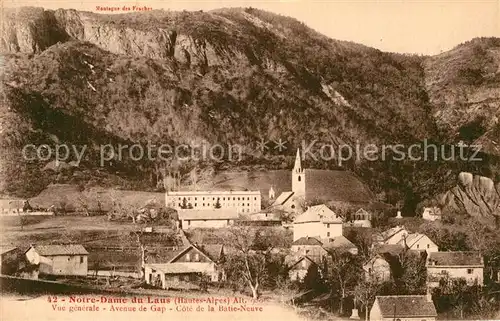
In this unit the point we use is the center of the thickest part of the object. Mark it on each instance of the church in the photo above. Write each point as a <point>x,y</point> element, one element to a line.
<point>294,200</point>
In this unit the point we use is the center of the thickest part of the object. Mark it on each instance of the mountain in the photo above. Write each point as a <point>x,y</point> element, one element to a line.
<point>232,76</point>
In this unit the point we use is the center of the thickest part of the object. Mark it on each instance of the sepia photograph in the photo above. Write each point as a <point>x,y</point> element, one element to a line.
<point>250,160</point>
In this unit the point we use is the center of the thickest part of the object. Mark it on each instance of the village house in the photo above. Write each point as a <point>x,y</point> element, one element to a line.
<point>70,259</point>
<point>308,246</point>
<point>9,260</point>
<point>419,242</point>
<point>313,247</point>
<point>13,206</point>
<point>300,265</point>
<point>385,264</point>
<point>392,236</point>
<point>318,221</point>
<point>361,218</point>
<point>403,308</point>
<point>431,213</point>
<point>378,268</point>
<point>467,265</point>
<point>340,244</point>
<point>216,218</point>
<point>190,265</point>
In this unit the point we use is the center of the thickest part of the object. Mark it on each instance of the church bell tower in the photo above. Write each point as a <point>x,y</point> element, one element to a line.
<point>298,177</point>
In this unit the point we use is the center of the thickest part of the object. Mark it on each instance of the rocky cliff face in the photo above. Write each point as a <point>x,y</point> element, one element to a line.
<point>231,76</point>
<point>475,195</point>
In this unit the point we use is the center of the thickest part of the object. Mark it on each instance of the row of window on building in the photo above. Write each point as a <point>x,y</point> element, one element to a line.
<point>218,198</point>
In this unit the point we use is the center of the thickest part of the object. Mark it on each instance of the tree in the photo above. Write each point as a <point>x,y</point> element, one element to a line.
<point>251,258</point>
<point>344,271</point>
<point>365,293</point>
<point>184,204</point>
<point>84,205</point>
<point>456,293</point>
<point>217,203</point>
<point>287,290</point>
<point>120,209</point>
<point>412,279</point>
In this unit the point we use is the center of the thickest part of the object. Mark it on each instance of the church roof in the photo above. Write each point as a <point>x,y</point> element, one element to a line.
<point>324,185</point>
<point>318,213</point>
<point>282,198</point>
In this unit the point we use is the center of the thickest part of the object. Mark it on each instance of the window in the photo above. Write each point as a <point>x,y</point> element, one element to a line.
<point>188,257</point>
<point>328,225</point>
<point>196,198</point>
<point>418,245</point>
<point>304,263</point>
<point>300,178</point>
<point>195,204</point>
<point>469,271</point>
<point>81,259</point>
<point>255,198</point>
<point>328,234</point>
<point>428,245</point>
<point>196,257</point>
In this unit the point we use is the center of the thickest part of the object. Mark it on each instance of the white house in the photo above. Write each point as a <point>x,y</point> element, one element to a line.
<point>216,218</point>
<point>70,259</point>
<point>431,213</point>
<point>467,265</point>
<point>403,308</point>
<point>393,235</point>
<point>317,221</point>
<point>419,242</point>
<point>361,218</point>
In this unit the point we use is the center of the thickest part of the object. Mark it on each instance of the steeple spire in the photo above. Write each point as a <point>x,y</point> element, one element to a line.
<point>297,168</point>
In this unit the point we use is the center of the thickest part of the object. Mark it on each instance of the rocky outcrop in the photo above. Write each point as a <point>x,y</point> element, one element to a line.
<point>475,195</point>
<point>27,35</point>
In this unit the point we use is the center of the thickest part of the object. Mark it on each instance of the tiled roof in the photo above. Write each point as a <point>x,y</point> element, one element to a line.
<point>307,241</point>
<point>413,238</point>
<point>455,259</point>
<point>282,198</point>
<point>54,250</point>
<point>339,242</point>
<point>293,259</point>
<point>213,251</point>
<point>215,214</point>
<point>391,232</point>
<point>318,213</point>
<point>393,249</point>
<point>400,306</point>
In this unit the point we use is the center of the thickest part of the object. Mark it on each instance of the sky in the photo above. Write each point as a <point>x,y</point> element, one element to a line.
<point>406,26</point>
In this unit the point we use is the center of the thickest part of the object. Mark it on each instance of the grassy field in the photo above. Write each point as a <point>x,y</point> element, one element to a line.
<point>110,243</point>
